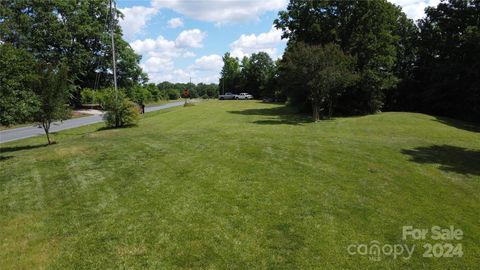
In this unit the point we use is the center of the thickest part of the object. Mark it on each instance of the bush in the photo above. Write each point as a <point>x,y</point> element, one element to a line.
<point>124,113</point>
<point>205,96</point>
<point>153,91</point>
<point>162,95</point>
<point>173,94</point>
<point>18,102</point>
<point>193,93</point>
<point>121,111</point>
<point>139,94</point>
<point>88,96</point>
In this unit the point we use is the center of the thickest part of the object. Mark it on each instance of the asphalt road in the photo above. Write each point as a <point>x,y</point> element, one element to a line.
<point>31,131</point>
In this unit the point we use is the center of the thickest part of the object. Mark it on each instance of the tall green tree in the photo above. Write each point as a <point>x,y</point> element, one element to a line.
<point>448,73</point>
<point>75,33</point>
<point>322,72</point>
<point>53,91</point>
<point>368,30</point>
<point>230,75</point>
<point>18,101</point>
<point>245,74</point>
<point>257,73</point>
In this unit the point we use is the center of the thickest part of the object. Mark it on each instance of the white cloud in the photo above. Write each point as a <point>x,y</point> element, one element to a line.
<point>135,19</point>
<point>221,11</point>
<point>157,64</point>
<point>213,62</point>
<point>205,69</point>
<point>183,75</point>
<point>175,22</point>
<point>266,42</point>
<point>160,54</point>
<point>415,8</point>
<point>188,54</point>
<point>159,47</point>
<point>175,75</point>
<point>190,39</point>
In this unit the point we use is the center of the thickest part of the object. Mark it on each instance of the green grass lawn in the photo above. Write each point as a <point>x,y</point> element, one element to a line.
<point>239,185</point>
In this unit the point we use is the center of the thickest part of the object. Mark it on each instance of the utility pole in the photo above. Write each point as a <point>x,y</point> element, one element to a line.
<point>112,32</point>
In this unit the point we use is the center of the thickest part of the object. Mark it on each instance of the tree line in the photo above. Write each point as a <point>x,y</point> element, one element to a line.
<point>360,57</point>
<point>254,74</point>
<point>151,93</point>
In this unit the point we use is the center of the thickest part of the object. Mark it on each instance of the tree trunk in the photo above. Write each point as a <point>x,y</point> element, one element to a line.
<point>315,115</point>
<point>330,108</point>
<point>46,127</point>
<point>117,119</point>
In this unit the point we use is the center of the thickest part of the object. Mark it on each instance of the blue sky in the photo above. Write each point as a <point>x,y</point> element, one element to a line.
<point>179,39</point>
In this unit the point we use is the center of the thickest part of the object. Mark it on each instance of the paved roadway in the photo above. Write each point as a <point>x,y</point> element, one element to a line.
<point>31,131</point>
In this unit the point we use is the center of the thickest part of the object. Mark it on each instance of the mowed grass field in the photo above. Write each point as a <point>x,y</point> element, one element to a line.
<point>239,185</point>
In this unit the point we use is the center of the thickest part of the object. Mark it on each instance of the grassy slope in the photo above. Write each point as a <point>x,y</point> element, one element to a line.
<point>238,185</point>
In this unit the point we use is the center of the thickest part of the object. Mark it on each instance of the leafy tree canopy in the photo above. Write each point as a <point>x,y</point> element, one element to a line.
<point>367,30</point>
<point>317,75</point>
<point>18,101</point>
<point>75,33</point>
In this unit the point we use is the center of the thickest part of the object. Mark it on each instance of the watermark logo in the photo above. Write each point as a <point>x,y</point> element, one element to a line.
<point>375,251</point>
<point>440,243</point>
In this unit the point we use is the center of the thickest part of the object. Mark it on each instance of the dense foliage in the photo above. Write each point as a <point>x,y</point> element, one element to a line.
<point>368,30</point>
<point>17,79</point>
<point>230,76</point>
<point>318,74</point>
<point>446,77</point>
<point>431,67</point>
<point>254,74</point>
<point>54,50</point>
<point>75,33</point>
<point>121,111</point>
<point>257,73</point>
<point>173,91</point>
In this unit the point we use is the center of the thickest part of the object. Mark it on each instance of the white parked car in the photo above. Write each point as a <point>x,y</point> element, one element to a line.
<point>227,95</point>
<point>244,96</point>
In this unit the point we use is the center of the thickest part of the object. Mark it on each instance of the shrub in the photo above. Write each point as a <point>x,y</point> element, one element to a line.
<point>205,96</point>
<point>88,96</point>
<point>153,91</point>
<point>173,94</point>
<point>162,95</point>
<point>139,94</point>
<point>121,111</point>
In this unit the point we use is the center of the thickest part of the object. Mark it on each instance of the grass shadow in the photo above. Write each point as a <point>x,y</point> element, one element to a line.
<point>20,148</point>
<point>469,126</point>
<point>451,158</point>
<point>74,133</point>
<point>3,158</point>
<point>280,116</point>
<point>111,128</point>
